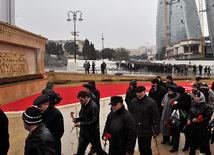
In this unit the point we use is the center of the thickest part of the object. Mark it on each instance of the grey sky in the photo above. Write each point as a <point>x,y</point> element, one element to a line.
<point>124,23</point>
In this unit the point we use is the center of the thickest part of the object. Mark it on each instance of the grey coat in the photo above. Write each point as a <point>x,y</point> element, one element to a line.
<point>211,99</point>
<point>166,113</point>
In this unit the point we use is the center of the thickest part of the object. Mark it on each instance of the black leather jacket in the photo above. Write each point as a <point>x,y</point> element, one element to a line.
<point>89,119</point>
<point>40,142</point>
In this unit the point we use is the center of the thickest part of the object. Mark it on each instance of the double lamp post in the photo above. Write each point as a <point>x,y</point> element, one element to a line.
<point>74,33</point>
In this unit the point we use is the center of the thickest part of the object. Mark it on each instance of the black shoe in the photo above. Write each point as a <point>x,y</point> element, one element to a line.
<point>91,152</point>
<point>75,154</point>
<point>173,150</point>
<point>185,149</point>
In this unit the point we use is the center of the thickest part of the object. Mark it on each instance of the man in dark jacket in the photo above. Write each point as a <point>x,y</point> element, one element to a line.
<point>130,94</point>
<point>88,89</point>
<point>198,81</point>
<point>52,118</point>
<point>40,141</point>
<point>88,121</point>
<point>95,91</point>
<point>4,135</point>
<point>55,98</point>
<point>157,93</point>
<point>161,81</point>
<point>169,81</point>
<point>120,125</point>
<point>147,119</point>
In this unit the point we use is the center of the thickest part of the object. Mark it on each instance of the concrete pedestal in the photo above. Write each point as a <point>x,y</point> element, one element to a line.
<point>72,67</point>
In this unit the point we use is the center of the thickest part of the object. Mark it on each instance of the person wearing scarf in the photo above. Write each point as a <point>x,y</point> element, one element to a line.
<point>199,117</point>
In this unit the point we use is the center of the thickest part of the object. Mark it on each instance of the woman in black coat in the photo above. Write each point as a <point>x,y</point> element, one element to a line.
<point>183,104</point>
<point>131,94</point>
<point>199,117</point>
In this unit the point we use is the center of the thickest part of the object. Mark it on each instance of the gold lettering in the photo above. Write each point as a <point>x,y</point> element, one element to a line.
<point>2,68</point>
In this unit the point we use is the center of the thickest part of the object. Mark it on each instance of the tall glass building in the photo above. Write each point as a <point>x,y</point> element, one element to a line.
<point>7,11</point>
<point>210,21</point>
<point>182,22</point>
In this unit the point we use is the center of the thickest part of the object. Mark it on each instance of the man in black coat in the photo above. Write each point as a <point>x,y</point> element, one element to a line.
<point>130,93</point>
<point>40,140</point>
<point>4,135</point>
<point>120,125</point>
<point>88,88</point>
<point>161,81</point>
<point>147,119</point>
<point>55,98</point>
<point>169,81</point>
<point>88,122</point>
<point>157,93</point>
<point>95,91</point>
<point>52,118</point>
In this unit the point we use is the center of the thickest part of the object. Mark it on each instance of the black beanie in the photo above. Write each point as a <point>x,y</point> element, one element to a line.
<point>32,116</point>
<point>180,90</point>
<point>155,81</point>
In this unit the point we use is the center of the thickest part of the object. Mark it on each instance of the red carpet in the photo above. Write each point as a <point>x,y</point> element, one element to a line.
<point>70,95</point>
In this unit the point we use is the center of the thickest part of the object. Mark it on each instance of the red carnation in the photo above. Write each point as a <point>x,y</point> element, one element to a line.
<point>168,125</point>
<point>172,102</point>
<point>107,136</point>
<point>72,114</point>
<point>200,119</point>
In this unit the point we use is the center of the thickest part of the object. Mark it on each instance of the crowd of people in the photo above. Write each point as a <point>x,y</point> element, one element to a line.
<point>144,118</point>
<point>180,69</point>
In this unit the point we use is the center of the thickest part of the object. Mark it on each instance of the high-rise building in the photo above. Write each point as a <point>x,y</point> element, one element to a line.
<point>182,22</point>
<point>210,21</point>
<point>7,11</point>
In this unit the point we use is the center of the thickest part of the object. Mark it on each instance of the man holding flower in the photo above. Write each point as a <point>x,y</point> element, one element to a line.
<point>119,129</point>
<point>88,122</point>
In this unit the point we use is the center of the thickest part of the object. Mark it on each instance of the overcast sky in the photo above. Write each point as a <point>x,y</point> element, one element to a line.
<point>123,23</point>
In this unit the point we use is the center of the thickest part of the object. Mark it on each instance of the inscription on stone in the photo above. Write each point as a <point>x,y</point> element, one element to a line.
<point>12,62</point>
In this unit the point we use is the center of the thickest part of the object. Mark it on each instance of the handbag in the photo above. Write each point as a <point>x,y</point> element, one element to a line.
<point>174,120</point>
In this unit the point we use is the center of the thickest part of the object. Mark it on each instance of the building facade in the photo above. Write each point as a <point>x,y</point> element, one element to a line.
<point>182,22</point>
<point>210,21</point>
<point>7,11</point>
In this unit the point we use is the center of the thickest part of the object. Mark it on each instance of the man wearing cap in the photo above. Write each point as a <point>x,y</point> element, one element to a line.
<point>40,141</point>
<point>52,118</point>
<point>198,81</point>
<point>55,98</point>
<point>161,81</point>
<point>120,125</point>
<point>169,81</point>
<point>147,119</point>
<point>157,92</point>
<point>88,88</point>
<point>96,93</point>
<point>88,122</point>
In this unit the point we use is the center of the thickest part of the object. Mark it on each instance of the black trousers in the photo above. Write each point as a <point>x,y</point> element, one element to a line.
<point>95,141</point>
<point>176,140</point>
<point>144,145</point>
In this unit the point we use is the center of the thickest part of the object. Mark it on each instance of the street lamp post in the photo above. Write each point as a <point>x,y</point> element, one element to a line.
<point>74,33</point>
